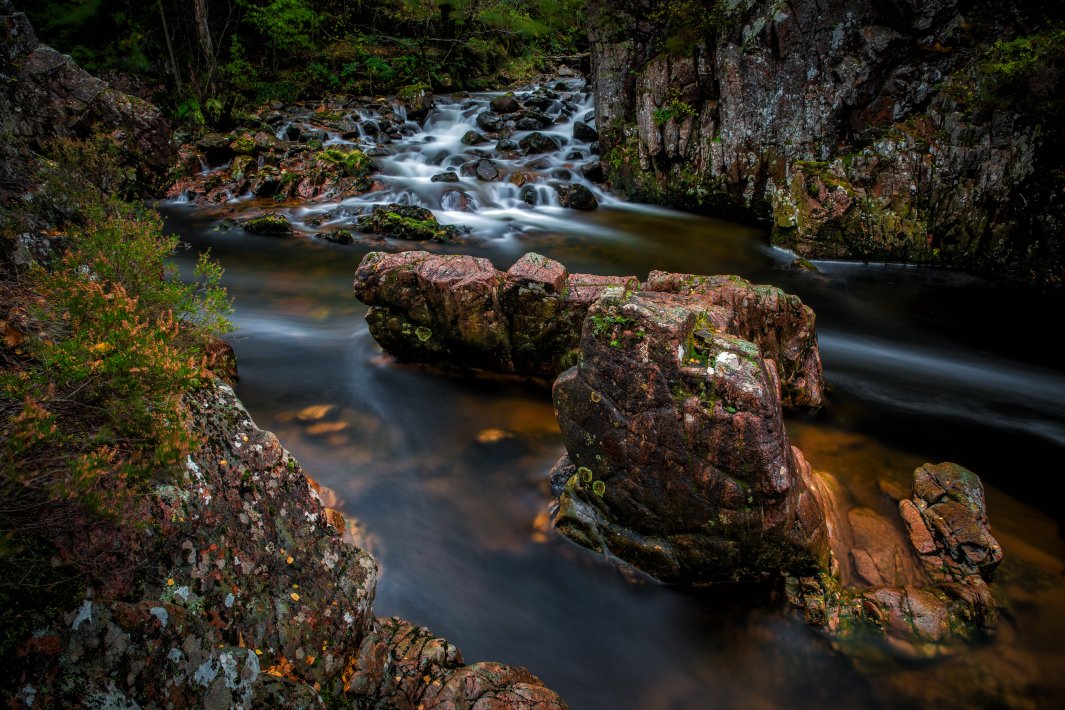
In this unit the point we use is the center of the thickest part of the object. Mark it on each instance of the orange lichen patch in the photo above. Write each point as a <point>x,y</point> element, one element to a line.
<point>289,559</point>
<point>315,412</point>
<point>282,669</point>
<point>335,519</point>
<point>295,597</point>
<point>322,428</point>
<point>491,436</point>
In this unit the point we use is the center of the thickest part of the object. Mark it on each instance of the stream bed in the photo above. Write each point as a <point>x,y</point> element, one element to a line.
<point>443,475</point>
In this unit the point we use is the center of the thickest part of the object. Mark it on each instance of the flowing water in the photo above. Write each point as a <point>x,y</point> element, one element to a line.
<point>443,475</point>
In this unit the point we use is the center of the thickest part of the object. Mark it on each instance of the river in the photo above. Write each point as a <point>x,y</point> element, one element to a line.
<point>443,474</point>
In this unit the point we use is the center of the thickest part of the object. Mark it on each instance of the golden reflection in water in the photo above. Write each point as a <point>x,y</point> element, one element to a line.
<point>1023,665</point>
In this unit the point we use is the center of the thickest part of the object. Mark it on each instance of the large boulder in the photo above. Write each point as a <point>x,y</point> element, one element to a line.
<point>543,310</point>
<point>679,463</point>
<point>45,95</point>
<point>460,310</point>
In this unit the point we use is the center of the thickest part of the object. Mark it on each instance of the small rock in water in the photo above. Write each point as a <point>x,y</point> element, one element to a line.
<point>339,236</point>
<point>449,176</point>
<point>506,145</point>
<point>576,197</point>
<point>271,225</point>
<point>505,104</point>
<point>527,124</point>
<point>593,172</point>
<point>583,132</point>
<point>292,133</point>
<point>574,155</point>
<point>538,143</point>
<point>489,121</point>
<point>528,195</point>
<point>407,222</point>
<point>473,138</point>
<point>483,169</point>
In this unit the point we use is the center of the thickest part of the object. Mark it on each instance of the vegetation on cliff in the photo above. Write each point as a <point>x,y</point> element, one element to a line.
<point>101,343</point>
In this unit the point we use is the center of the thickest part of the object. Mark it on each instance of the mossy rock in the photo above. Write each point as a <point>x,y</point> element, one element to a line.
<point>407,222</point>
<point>271,225</point>
<point>350,162</point>
<point>244,144</point>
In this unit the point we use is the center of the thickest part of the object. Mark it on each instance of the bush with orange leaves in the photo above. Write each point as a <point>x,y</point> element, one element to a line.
<point>99,348</point>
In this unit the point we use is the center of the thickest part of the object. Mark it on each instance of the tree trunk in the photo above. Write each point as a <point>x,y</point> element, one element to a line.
<point>203,31</point>
<point>170,48</point>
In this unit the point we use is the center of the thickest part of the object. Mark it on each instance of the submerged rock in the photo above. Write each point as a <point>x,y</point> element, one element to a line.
<point>576,196</point>
<point>505,104</point>
<point>448,176</point>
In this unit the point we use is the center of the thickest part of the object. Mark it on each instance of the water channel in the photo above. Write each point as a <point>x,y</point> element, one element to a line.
<point>443,474</point>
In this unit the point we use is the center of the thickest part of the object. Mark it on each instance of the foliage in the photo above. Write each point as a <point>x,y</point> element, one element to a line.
<point>102,343</point>
<point>1025,72</point>
<point>673,109</point>
<point>289,49</point>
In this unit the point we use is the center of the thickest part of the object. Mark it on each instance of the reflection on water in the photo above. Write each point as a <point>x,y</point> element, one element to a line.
<point>445,472</point>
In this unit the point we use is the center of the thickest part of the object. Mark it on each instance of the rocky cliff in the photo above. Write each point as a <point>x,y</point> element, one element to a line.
<point>898,130</point>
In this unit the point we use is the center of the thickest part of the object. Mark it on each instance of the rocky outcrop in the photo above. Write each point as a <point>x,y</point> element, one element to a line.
<point>460,310</point>
<point>881,131</point>
<point>923,593</point>
<point>250,598</point>
<point>45,95</point>
<point>678,461</point>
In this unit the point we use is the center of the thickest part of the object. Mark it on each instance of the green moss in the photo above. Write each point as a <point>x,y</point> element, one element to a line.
<point>585,474</point>
<point>422,333</point>
<point>599,488</point>
<point>351,162</point>
<point>243,144</point>
<point>673,109</point>
<point>268,224</point>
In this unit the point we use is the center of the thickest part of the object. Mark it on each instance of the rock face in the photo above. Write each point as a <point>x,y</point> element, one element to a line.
<point>68,102</point>
<point>460,310</point>
<point>678,460</point>
<point>251,599</point>
<point>880,131</point>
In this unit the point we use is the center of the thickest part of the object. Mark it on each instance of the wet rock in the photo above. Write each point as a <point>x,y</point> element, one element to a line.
<point>593,172</point>
<point>583,132</point>
<point>339,236</point>
<point>537,142</point>
<point>528,195</point>
<point>505,104</point>
<point>489,121</point>
<point>576,197</point>
<point>407,222</point>
<point>683,466</point>
<point>473,138</point>
<point>448,176</point>
<point>778,323</point>
<point>947,523</point>
<point>418,99</point>
<point>293,133</point>
<point>505,145</point>
<point>574,155</point>
<point>527,124</point>
<point>926,593</point>
<point>447,309</point>
<point>270,225</point>
<point>483,169</point>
